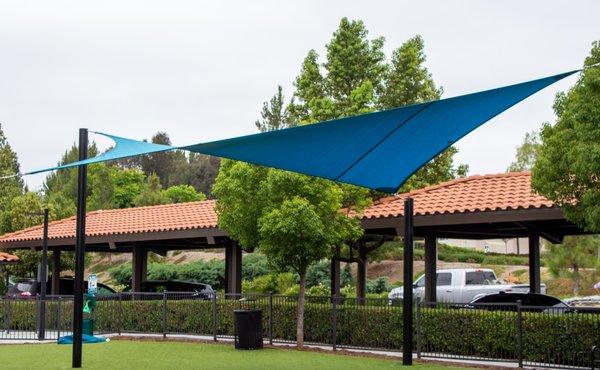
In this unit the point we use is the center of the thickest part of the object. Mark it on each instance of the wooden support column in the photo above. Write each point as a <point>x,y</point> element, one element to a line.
<point>55,290</point>
<point>430,268</point>
<point>139,268</point>
<point>534,264</point>
<point>335,273</point>
<point>233,269</point>
<point>361,274</point>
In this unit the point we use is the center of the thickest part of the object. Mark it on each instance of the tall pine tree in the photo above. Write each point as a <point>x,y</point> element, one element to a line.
<point>10,187</point>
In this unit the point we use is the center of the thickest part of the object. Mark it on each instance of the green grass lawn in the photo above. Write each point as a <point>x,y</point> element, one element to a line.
<point>147,355</point>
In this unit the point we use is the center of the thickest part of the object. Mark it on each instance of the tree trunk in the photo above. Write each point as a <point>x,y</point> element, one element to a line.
<point>300,318</point>
<point>575,279</point>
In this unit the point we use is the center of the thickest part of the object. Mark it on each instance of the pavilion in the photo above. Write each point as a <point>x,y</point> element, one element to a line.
<point>474,207</point>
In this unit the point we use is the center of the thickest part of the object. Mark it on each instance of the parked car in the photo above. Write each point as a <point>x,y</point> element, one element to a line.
<point>196,290</point>
<point>504,301</point>
<point>24,288</point>
<point>462,286</point>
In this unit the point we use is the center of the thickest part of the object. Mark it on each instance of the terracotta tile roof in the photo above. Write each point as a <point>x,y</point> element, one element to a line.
<point>480,193</point>
<point>506,191</point>
<point>170,217</point>
<point>5,257</point>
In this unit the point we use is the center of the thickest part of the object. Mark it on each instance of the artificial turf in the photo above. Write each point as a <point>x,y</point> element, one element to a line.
<point>131,355</point>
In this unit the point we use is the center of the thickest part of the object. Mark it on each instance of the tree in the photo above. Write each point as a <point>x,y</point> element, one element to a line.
<point>297,234</point>
<point>198,170</point>
<point>567,169</point>
<point>65,181</point>
<point>408,81</point>
<point>182,194</point>
<point>25,211</point>
<point>161,164</point>
<point>274,115</point>
<point>354,69</point>
<point>10,187</point>
<point>293,219</point>
<point>575,253</point>
<point>128,184</point>
<point>526,153</point>
<point>357,80</point>
<point>151,194</point>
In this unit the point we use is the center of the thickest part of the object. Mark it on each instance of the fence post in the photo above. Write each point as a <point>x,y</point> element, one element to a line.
<point>58,324</point>
<point>519,334</point>
<point>271,318</point>
<point>120,313</point>
<point>164,315</point>
<point>214,315</point>
<point>418,325</point>
<point>334,314</point>
<point>42,318</point>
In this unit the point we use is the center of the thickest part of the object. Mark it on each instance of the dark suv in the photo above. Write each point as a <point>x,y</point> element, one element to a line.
<point>25,288</point>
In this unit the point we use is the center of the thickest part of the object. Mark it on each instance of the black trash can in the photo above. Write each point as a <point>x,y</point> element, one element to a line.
<point>248,329</point>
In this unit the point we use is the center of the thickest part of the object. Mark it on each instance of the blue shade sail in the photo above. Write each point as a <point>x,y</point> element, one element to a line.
<point>378,150</point>
<point>123,148</point>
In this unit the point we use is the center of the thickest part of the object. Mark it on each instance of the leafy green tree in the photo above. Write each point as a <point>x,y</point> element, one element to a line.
<point>24,211</point>
<point>65,181</point>
<point>240,200</point>
<point>182,194</point>
<point>198,170</point>
<point>354,73</point>
<point>355,79</point>
<point>151,193</point>
<point>102,188</point>
<point>19,213</point>
<point>256,207</point>
<point>408,81</point>
<point>128,185</point>
<point>10,187</point>
<point>574,254</point>
<point>355,68</point>
<point>161,164</point>
<point>19,216</point>
<point>567,169</point>
<point>290,217</point>
<point>526,153</point>
<point>274,115</point>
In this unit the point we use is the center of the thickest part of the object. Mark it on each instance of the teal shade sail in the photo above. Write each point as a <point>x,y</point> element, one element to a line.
<point>379,150</point>
<point>123,148</point>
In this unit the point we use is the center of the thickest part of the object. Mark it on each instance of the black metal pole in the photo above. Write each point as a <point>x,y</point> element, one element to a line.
<point>407,304</point>
<point>430,268</point>
<point>534,264</point>
<point>43,279</point>
<point>80,249</point>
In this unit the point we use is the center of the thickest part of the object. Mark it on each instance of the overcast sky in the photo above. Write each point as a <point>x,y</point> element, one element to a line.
<point>201,70</point>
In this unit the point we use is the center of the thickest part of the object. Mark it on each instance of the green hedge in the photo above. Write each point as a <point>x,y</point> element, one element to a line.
<point>555,338</point>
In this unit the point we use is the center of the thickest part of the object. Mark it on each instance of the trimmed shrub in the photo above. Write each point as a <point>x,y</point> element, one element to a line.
<point>554,338</point>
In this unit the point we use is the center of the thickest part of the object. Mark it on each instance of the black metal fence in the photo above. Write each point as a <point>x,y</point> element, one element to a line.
<point>553,337</point>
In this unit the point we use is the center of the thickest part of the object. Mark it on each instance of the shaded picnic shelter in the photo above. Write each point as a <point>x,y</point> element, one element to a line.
<point>475,207</point>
